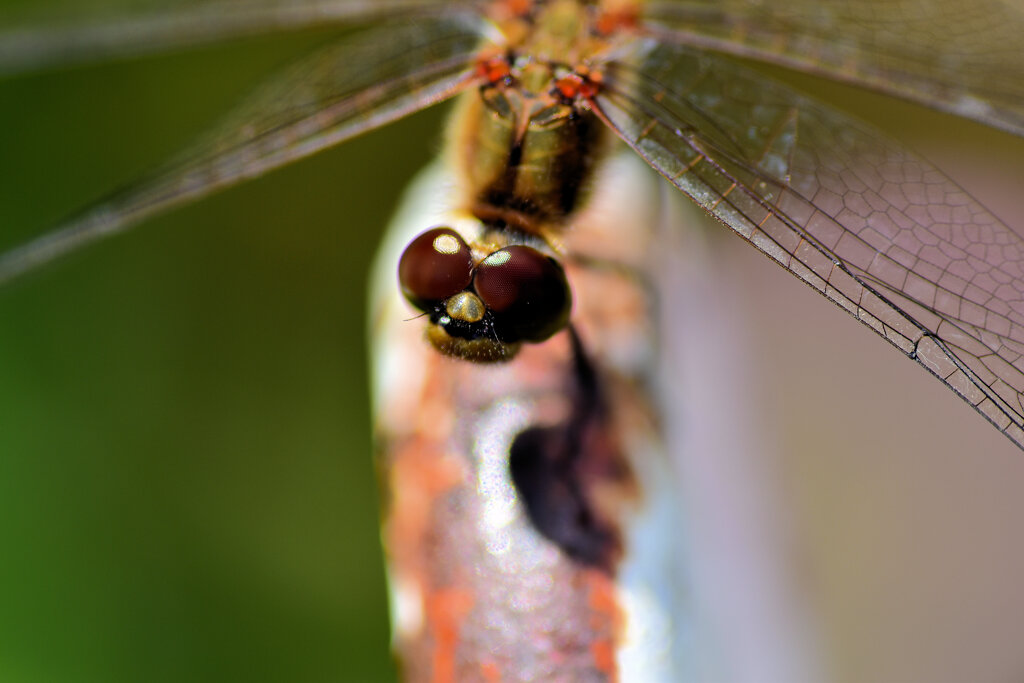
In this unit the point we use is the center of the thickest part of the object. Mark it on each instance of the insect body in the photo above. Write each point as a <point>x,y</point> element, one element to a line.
<point>525,146</point>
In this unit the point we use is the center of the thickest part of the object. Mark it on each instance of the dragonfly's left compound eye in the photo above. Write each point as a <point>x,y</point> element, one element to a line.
<point>526,291</point>
<point>436,265</point>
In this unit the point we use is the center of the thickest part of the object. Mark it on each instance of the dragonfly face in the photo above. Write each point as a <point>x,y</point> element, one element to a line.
<point>89,257</point>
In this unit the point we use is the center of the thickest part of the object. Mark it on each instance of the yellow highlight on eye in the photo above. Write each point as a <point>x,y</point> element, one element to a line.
<point>498,258</point>
<point>446,244</point>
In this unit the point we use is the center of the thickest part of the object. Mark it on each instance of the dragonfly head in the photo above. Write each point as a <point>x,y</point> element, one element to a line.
<point>483,309</point>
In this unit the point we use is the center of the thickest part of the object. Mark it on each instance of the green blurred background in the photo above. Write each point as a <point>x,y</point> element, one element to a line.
<point>186,488</point>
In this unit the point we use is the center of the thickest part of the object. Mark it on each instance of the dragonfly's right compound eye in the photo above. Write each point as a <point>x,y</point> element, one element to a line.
<point>526,291</point>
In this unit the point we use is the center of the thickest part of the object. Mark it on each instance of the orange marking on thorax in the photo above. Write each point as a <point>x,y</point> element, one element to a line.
<point>615,16</point>
<point>446,608</point>
<point>581,83</point>
<point>518,8</point>
<point>494,69</point>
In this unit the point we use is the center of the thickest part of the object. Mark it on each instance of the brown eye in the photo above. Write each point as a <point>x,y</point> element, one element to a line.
<point>436,265</point>
<point>526,291</point>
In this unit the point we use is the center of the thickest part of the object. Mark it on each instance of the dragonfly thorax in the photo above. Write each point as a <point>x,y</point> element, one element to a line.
<point>526,157</point>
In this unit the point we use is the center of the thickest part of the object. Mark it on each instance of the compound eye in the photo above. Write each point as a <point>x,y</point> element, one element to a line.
<point>526,291</point>
<point>437,264</point>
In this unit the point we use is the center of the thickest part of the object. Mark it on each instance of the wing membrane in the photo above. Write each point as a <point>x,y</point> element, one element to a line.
<point>963,58</point>
<point>368,80</point>
<point>877,230</point>
<point>187,24</point>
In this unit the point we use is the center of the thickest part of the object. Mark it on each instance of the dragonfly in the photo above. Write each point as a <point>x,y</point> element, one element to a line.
<point>966,104</point>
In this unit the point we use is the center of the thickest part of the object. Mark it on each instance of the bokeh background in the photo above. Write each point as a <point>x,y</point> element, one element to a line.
<point>186,485</point>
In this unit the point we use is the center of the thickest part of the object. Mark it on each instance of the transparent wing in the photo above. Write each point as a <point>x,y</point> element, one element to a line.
<point>877,230</point>
<point>964,58</point>
<point>369,79</point>
<point>28,45</point>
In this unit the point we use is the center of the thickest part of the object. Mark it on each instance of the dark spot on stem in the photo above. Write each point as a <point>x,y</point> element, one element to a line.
<point>555,469</point>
